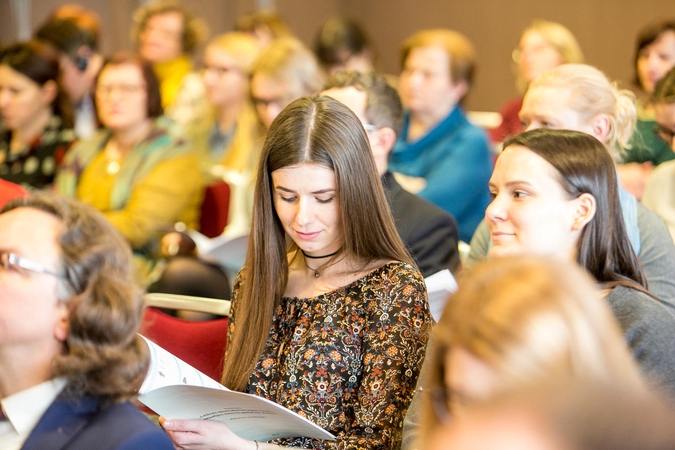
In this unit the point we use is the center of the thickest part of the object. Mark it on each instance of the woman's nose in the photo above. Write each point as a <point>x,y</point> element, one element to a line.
<point>304,214</point>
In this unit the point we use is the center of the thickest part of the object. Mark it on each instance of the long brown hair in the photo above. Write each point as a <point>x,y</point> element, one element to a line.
<point>321,131</point>
<point>585,166</point>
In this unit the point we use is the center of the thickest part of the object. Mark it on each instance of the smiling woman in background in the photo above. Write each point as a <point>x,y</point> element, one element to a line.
<point>555,194</point>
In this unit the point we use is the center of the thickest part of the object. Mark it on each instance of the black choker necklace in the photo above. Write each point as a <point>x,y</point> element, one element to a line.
<point>319,257</point>
<point>317,274</point>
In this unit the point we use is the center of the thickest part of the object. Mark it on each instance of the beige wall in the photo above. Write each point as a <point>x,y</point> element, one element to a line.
<point>605,29</point>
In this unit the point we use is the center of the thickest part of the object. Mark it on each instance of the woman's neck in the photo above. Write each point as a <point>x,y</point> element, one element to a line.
<point>125,139</point>
<point>23,137</point>
<point>334,273</point>
<point>226,116</point>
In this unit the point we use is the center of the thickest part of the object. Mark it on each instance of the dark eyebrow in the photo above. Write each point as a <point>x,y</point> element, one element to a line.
<point>321,191</point>
<point>512,183</point>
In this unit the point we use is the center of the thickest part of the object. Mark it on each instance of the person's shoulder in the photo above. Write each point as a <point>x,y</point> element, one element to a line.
<point>399,271</point>
<point>626,301</point>
<point>132,428</point>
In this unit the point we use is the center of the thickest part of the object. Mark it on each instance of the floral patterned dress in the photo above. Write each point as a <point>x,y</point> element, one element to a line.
<point>348,360</point>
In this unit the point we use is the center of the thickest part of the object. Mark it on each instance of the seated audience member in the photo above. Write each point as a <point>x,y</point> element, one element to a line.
<point>70,354</point>
<point>226,70</point>
<point>79,63</point>
<point>579,97</point>
<point>564,415</point>
<point>284,71</point>
<point>342,45</point>
<point>34,136</point>
<point>329,315</point>
<point>555,193</point>
<point>437,144</point>
<point>542,46</point>
<point>138,170</point>
<point>166,34</point>
<point>659,193</point>
<point>654,57</point>
<point>428,232</point>
<point>515,322</point>
<point>265,25</point>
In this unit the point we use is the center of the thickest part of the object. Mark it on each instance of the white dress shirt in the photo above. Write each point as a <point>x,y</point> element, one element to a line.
<point>24,410</point>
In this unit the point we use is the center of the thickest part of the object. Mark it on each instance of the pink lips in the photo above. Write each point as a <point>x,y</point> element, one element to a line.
<point>307,236</point>
<point>500,234</point>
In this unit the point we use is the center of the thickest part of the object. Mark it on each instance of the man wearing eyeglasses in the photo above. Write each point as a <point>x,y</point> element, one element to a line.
<point>69,355</point>
<point>430,233</point>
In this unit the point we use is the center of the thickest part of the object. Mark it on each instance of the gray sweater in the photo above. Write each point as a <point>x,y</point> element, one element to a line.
<point>649,329</point>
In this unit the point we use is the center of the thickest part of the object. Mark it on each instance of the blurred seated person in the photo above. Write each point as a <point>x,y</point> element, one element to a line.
<point>265,25</point>
<point>542,46</point>
<point>342,45</point>
<point>438,149</point>
<point>515,322</point>
<point>138,170</point>
<point>654,57</point>
<point>71,358</point>
<point>234,135</point>
<point>283,72</point>
<point>429,233</point>
<point>166,34</point>
<point>34,135</point>
<point>659,194</point>
<point>79,62</point>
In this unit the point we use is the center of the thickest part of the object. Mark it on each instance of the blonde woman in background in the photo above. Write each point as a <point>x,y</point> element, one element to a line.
<point>284,71</point>
<point>226,70</point>
<point>542,46</point>
<point>515,322</point>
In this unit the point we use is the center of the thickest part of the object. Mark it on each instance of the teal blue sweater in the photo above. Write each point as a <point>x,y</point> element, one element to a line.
<point>454,159</point>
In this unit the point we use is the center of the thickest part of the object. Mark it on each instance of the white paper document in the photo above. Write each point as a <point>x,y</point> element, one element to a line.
<point>439,287</point>
<point>176,390</point>
<point>228,249</point>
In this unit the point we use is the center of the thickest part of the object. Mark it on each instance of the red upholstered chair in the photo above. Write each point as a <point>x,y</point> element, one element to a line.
<point>215,209</point>
<point>200,344</point>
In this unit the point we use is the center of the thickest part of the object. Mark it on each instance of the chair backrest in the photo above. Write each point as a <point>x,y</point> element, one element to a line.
<point>215,209</point>
<point>200,344</point>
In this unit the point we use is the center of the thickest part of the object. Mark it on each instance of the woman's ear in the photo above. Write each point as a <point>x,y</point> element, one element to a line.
<point>584,212</point>
<point>601,127</point>
<point>49,91</point>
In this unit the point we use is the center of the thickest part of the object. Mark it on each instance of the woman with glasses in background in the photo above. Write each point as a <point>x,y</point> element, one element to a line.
<point>138,169</point>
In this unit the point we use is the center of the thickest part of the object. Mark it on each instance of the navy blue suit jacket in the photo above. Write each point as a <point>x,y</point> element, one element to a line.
<point>430,233</point>
<point>82,423</point>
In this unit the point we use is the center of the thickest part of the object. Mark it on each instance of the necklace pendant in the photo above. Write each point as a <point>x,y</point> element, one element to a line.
<point>112,168</point>
<point>316,274</point>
